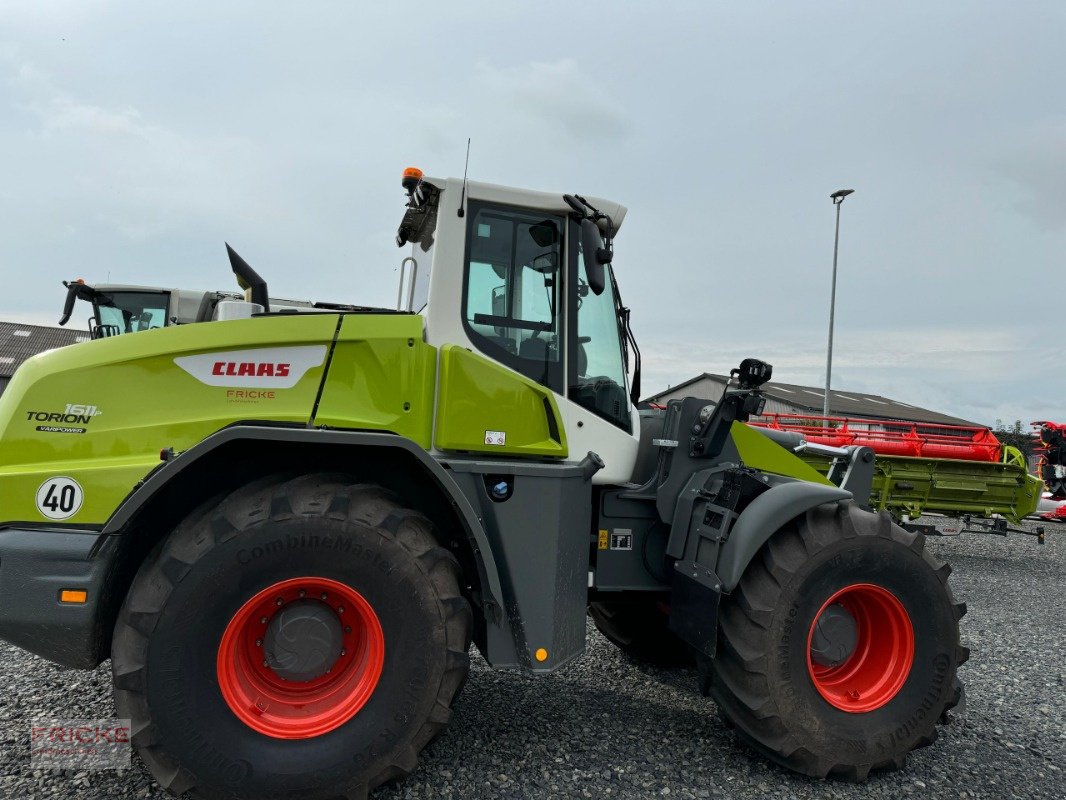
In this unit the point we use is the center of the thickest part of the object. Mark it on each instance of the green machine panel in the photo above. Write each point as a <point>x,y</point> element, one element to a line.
<point>485,408</point>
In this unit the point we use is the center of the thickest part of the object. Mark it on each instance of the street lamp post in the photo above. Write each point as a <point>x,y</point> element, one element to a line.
<point>838,198</point>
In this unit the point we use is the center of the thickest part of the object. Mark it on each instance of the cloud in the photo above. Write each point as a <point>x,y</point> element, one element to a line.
<point>956,370</point>
<point>133,175</point>
<point>1036,166</point>
<point>558,96</point>
<point>58,112</point>
<point>137,140</point>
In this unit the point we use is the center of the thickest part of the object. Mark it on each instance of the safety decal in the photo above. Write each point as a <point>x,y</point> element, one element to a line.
<point>261,368</point>
<point>603,540</point>
<point>622,539</point>
<point>59,498</point>
<point>497,438</point>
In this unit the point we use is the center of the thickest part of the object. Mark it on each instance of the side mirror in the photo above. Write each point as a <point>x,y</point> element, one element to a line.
<point>546,263</point>
<point>68,306</point>
<point>594,254</point>
<point>76,290</point>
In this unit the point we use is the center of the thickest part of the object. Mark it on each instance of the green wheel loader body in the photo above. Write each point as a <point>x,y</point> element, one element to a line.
<point>490,443</point>
<point>145,393</point>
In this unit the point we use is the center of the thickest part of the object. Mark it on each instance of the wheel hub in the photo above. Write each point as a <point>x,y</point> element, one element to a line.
<point>303,641</point>
<point>300,657</point>
<point>860,648</point>
<point>835,636</point>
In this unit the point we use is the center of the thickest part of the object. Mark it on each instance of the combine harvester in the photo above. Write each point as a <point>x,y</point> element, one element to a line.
<point>963,472</point>
<point>123,308</point>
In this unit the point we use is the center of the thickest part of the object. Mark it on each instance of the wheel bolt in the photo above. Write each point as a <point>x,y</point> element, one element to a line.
<point>279,602</point>
<point>258,642</point>
<point>303,593</point>
<point>265,664</point>
<point>344,652</point>
<point>263,620</point>
<point>323,595</point>
<point>347,629</point>
<point>340,609</point>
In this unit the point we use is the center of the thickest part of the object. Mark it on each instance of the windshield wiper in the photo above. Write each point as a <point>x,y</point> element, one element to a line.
<point>627,338</point>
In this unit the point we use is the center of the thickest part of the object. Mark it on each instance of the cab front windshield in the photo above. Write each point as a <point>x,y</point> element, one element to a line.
<point>600,382</point>
<point>129,312</point>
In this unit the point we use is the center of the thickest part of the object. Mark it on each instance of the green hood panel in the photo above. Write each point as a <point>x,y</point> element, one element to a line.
<point>381,377</point>
<point>101,411</point>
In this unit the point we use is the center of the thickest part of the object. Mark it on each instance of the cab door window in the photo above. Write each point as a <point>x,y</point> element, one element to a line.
<point>512,289</point>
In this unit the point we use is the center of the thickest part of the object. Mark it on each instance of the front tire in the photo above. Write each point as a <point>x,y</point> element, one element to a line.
<point>837,652</point>
<point>363,648</point>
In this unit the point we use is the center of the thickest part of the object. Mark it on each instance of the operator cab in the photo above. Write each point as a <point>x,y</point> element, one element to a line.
<point>531,278</point>
<point>119,309</point>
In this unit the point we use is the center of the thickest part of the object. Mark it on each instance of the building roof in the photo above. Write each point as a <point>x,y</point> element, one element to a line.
<point>842,403</point>
<point>19,342</point>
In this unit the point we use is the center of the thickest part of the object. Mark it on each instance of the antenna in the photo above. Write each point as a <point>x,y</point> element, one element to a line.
<point>466,167</point>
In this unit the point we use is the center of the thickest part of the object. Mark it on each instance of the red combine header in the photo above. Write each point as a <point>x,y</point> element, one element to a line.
<point>891,438</point>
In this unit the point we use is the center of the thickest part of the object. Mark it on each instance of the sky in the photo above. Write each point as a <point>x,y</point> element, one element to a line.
<point>135,138</point>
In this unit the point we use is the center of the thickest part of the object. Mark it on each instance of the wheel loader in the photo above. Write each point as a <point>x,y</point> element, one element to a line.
<point>287,527</point>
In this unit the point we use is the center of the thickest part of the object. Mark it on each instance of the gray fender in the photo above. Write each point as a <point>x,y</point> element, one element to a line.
<point>758,522</point>
<point>490,578</point>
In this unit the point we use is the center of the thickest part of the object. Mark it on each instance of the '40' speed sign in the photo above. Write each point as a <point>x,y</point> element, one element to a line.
<point>59,498</point>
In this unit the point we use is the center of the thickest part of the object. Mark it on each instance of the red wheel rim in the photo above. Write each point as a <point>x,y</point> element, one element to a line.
<point>300,709</point>
<point>878,665</point>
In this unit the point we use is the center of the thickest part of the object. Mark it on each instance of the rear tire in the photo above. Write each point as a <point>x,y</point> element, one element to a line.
<point>182,639</point>
<point>638,624</point>
<point>894,678</point>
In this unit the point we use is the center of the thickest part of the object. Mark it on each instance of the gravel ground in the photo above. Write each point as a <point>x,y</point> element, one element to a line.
<point>606,727</point>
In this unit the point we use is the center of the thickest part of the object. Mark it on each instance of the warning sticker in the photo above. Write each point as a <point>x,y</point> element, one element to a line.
<point>622,539</point>
<point>603,540</point>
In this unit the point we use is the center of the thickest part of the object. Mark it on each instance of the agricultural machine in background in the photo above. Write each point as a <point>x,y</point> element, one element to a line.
<point>1049,446</point>
<point>122,308</point>
<point>963,472</point>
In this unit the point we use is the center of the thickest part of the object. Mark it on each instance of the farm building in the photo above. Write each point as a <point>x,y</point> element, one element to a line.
<point>787,398</point>
<point>19,342</point>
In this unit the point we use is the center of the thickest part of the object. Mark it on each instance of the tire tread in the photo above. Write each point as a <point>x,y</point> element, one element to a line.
<point>738,680</point>
<point>273,499</point>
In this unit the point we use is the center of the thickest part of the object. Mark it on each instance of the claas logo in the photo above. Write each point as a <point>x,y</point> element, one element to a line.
<point>258,369</point>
